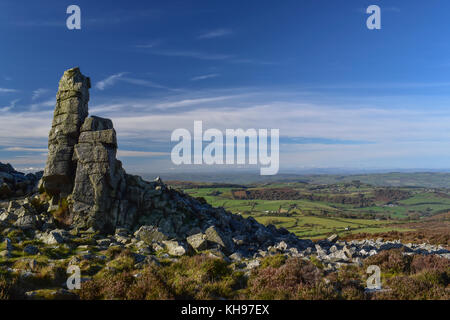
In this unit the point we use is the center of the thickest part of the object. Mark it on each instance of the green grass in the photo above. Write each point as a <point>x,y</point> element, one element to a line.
<point>316,219</point>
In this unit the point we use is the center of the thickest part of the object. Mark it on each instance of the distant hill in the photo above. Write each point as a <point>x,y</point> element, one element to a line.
<point>393,179</point>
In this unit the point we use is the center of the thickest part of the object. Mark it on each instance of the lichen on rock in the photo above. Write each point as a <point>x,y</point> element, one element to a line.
<point>70,111</point>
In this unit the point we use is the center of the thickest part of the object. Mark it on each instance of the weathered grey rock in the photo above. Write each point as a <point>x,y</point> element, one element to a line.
<point>281,246</point>
<point>320,251</point>
<point>216,237</point>
<point>13,205</point>
<point>16,184</point>
<point>100,182</point>
<point>26,222</point>
<point>253,264</point>
<point>53,237</point>
<point>7,216</point>
<point>149,234</point>
<point>71,110</point>
<point>349,251</point>
<point>333,238</point>
<point>104,242</point>
<point>5,254</point>
<point>176,248</point>
<point>198,241</point>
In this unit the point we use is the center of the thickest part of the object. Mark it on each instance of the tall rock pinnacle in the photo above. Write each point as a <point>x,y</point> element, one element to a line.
<point>71,110</point>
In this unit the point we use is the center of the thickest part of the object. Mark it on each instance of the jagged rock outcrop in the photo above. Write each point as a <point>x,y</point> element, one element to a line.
<point>100,182</point>
<point>16,184</point>
<point>71,110</point>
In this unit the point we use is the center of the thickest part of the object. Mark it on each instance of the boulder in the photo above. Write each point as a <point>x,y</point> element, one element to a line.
<point>214,236</point>
<point>149,234</point>
<point>176,248</point>
<point>333,238</point>
<point>53,237</point>
<point>198,241</point>
<point>26,222</point>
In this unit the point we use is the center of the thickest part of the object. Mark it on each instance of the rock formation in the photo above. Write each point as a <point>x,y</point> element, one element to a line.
<point>82,170</point>
<point>71,110</point>
<point>99,189</point>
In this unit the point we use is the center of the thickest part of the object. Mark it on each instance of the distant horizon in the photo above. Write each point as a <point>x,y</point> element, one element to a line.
<point>303,171</point>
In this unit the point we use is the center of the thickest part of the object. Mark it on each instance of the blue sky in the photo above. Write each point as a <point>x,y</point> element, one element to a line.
<point>342,96</point>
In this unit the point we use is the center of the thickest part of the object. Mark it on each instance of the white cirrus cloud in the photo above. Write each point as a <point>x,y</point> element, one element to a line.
<point>7,90</point>
<point>205,76</point>
<point>12,104</point>
<point>120,77</point>
<point>109,81</point>
<point>39,93</point>
<point>217,33</point>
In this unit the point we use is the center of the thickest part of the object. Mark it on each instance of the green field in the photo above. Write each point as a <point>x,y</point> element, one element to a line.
<point>318,219</point>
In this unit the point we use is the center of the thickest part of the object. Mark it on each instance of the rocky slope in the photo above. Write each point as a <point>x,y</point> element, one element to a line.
<point>87,204</point>
<point>17,184</point>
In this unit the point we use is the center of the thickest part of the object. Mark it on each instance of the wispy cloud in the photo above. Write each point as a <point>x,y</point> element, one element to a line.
<point>192,102</point>
<point>206,76</point>
<point>315,130</point>
<point>231,58</point>
<point>192,54</point>
<point>43,105</point>
<point>215,33</point>
<point>113,79</point>
<point>39,93</point>
<point>7,90</point>
<point>109,81</point>
<point>12,104</point>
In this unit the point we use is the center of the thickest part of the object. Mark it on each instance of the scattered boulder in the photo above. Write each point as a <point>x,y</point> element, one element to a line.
<point>214,236</point>
<point>176,248</point>
<point>149,234</point>
<point>198,241</point>
<point>53,237</point>
<point>26,222</point>
<point>333,238</point>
